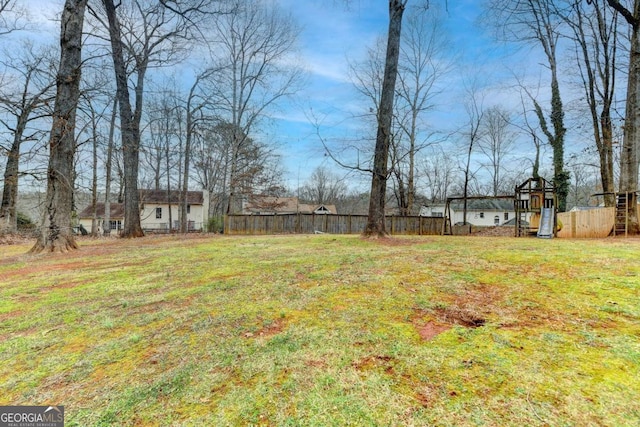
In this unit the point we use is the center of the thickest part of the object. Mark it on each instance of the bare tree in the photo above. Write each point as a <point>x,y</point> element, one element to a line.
<point>422,62</point>
<point>439,174</point>
<point>26,100</point>
<point>12,16</point>
<point>160,147</point>
<point>253,45</point>
<point>211,158</point>
<point>129,125</point>
<point>108,166</point>
<point>595,35</point>
<point>323,187</point>
<point>376,218</point>
<point>256,169</point>
<point>526,127</point>
<point>496,142</point>
<point>472,133</point>
<point>154,36</point>
<point>629,155</point>
<point>535,22</point>
<point>94,117</point>
<point>195,114</point>
<point>56,233</point>
<point>585,168</point>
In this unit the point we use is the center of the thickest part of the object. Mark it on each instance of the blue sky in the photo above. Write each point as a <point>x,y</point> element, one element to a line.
<point>332,35</point>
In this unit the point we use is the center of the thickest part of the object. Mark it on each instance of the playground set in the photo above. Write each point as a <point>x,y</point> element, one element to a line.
<point>536,206</point>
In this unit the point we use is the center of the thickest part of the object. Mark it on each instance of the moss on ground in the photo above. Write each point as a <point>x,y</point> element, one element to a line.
<point>325,330</point>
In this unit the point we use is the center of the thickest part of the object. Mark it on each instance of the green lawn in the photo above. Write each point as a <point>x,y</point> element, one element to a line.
<point>325,330</point>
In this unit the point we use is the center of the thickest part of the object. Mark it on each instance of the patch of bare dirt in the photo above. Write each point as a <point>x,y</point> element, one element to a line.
<point>463,316</point>
<point>431,330</point>
<point>268,331</point>
<point>469,309</point>
<point>494,232</point>
<point>316,364</point>
<point>384,363</point>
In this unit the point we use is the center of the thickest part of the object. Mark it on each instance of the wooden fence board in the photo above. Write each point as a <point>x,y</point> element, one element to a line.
<point>594,223</point>
<point>332,224</point>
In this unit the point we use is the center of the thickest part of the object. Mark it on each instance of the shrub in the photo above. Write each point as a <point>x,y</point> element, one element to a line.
<point>24,222</point>
<point>215,224</point>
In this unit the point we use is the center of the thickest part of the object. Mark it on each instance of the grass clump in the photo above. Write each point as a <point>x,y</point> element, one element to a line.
<point>325,330</point>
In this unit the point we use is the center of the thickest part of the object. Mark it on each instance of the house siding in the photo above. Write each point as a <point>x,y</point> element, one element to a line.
<point>479,217</point>
<point>196,218</point>
<point>148,219</point>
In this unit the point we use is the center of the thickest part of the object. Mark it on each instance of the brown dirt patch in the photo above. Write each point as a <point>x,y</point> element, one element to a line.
<point>466,317</point>
<point>431,330</point>
<point>469,309</point>
<point>367,363</point>
<point>316,364</point>
<point>494,232</point>
<point>267,331</point>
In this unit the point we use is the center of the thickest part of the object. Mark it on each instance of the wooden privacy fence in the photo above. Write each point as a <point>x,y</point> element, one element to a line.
<point>332,224</point>
<point>595,223</point>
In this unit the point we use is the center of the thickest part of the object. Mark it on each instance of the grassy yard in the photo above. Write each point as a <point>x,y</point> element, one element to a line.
<point>325,330</point>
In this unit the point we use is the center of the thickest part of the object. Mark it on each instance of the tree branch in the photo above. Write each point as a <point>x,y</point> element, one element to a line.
<point>631,19</point>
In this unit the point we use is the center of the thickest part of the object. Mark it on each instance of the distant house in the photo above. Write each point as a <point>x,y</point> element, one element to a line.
<point>268,205</point>
<point>481,212</point>
<point>159,211</point>
<point>116,216</point>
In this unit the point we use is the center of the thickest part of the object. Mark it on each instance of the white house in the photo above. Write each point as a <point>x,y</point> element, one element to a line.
<point>159,211</point>
<point>481,212</point>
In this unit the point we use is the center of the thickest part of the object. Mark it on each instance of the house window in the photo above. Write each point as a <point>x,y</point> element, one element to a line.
<point>496,220</point>
<point>481,214</point>
<point>115,225</point>
<point>158,213</point>
<point>506,216</point>
<point>188,209</point>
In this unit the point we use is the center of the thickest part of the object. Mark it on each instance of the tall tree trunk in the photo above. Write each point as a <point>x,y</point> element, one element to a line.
<point>184,223</point>
<point>94,175</point>
<point>629,155</point>
<point>603,133</point>
<point>94,186</point>
<point>411,185</point>
<point>8,212</point>
<point>235,202</point>
<point>55,233</point>
<point>598,44</point>
<point>560,176</point>
<point>168,163</point>
<point>107,166</point>
<point>129,128</point>
<point>376,221</point>
<point>467,178</point>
